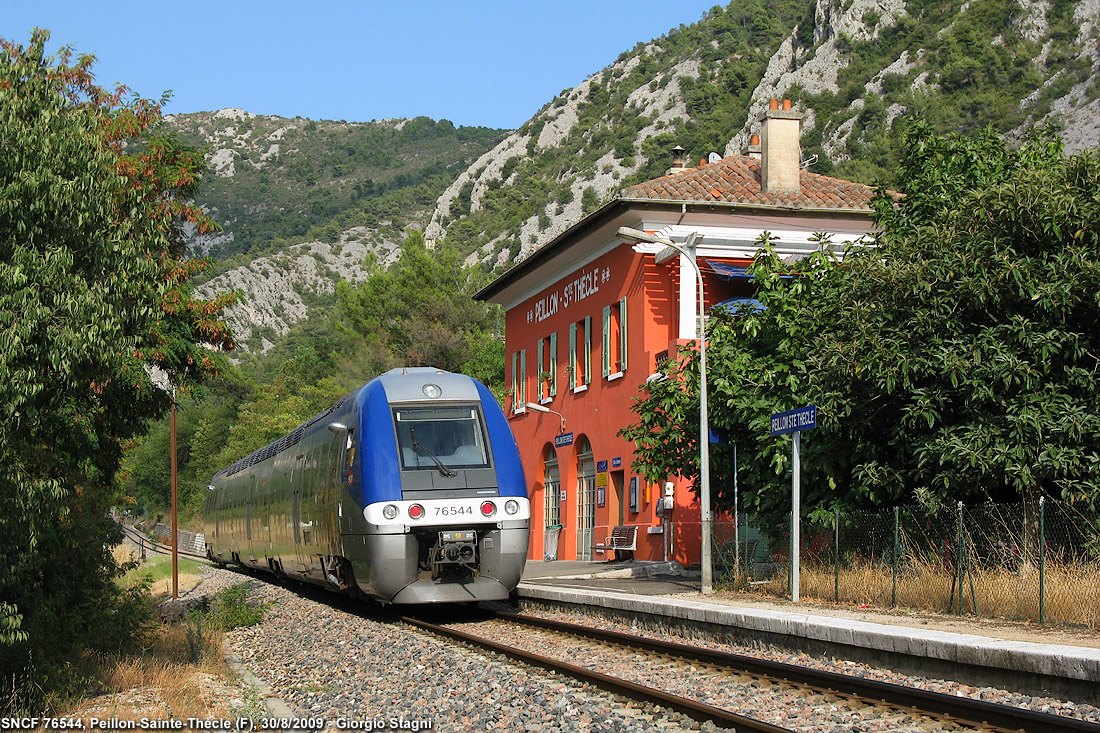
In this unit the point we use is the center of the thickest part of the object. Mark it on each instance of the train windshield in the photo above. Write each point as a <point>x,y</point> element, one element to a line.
<point>440,438</point>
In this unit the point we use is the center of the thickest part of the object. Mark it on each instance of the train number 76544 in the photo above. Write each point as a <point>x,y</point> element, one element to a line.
<point>453,511</point>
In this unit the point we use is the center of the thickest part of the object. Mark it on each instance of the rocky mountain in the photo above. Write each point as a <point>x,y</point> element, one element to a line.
<point>302,203</point>
<point>858,69</point>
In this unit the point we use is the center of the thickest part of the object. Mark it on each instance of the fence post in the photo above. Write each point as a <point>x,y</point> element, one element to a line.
<point>1042,555</point>
<point>894,596</point>
<point>836,554</point>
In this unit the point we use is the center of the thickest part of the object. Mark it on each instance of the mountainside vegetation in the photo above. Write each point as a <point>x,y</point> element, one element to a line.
<point>307,200</point>
<point>279,181</point>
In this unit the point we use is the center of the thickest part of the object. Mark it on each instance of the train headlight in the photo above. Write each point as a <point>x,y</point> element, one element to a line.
<point>389,511</point>
<point>431,391</point>
<point>511,506</point>
<point>416,511</point>
<point>488,508</point>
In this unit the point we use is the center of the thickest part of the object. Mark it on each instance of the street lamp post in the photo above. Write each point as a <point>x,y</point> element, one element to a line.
<point>543,408</point>
<point>689,252</point>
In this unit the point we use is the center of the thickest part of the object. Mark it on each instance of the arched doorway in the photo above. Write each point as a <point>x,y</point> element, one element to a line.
<point>586,499</point>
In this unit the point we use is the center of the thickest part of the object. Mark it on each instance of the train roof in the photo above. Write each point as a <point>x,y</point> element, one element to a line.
<point>288,440</point>
<point>398,388</point>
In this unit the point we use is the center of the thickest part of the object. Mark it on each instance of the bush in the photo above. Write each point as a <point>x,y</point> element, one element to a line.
<point>231,609</point>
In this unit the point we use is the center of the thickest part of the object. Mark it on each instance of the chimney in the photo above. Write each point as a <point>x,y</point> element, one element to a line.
<point>677,160</point>
<point>780,130</point>
<point>753,148</point>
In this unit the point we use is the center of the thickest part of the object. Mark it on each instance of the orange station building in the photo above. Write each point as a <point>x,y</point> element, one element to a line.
<point>590,317</point>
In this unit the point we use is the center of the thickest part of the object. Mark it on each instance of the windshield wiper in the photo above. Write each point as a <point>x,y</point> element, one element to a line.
<point>418,446</point>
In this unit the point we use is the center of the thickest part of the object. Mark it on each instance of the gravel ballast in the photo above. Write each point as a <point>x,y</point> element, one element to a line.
<point>367,674</point>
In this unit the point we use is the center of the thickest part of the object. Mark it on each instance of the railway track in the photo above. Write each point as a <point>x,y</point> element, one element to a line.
<point>867,699</point>
<point>160,548</point>
<point>695,710</point>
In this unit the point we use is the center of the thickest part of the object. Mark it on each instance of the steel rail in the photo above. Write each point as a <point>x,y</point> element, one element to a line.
<point>959,709</point>
<point>158,547</point>
<point>691,708</point>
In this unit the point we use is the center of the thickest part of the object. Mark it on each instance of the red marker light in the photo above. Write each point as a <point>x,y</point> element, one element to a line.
<point>416,511</point>
<point>488,508</point>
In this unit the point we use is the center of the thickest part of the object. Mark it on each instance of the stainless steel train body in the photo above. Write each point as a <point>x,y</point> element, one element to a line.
<point>409,490</point>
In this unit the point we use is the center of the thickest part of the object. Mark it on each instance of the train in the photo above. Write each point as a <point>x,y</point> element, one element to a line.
<point>409,490</point>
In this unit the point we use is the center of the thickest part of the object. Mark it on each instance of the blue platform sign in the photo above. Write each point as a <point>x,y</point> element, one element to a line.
<point>560,441</point>
<point>793,421</point>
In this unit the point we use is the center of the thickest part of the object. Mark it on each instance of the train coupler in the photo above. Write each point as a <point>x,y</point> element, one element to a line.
<point>455,548</point>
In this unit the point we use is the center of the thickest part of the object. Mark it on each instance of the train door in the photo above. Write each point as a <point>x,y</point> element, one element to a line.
<point>248,499</point>
<point>586,499</point>
<point>331,468</point>
<point>296,498</point>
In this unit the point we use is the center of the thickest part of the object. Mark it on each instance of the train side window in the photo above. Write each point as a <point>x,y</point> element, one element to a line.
<point>349,460</point>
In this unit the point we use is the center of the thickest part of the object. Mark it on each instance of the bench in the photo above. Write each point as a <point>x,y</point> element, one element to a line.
<point>623,540</point>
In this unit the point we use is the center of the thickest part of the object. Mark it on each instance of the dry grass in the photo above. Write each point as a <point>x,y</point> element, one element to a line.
<point>159,568</point>
<point>1071,592</point>
<point>180,672</point>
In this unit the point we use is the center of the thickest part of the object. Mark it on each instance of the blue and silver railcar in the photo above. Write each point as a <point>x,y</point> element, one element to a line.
<point>409,490</point>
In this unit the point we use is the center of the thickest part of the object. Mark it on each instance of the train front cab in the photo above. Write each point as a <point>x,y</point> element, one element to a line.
<point>445,516</point>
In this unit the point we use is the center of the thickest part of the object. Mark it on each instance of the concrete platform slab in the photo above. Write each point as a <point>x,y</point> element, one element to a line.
<point>643,588</point>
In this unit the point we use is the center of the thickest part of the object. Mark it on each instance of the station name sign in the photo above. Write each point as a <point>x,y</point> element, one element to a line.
<point>792,421</point>
<point>560,441</point>
<point>582,285</point>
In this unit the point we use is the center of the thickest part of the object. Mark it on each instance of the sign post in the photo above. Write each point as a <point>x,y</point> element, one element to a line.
<point>795,421</point>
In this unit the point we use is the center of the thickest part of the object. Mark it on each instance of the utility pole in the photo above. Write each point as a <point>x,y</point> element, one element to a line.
<point>175,513</point>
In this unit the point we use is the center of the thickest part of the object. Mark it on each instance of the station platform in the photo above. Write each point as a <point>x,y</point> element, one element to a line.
<point>983,652</point>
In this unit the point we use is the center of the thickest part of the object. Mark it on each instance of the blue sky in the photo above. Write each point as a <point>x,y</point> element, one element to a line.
<point>475,63</point>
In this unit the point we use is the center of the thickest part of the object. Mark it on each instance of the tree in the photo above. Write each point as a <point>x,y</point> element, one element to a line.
<point>957,360</point>
<point>422,311</point>
<point>93,293</point>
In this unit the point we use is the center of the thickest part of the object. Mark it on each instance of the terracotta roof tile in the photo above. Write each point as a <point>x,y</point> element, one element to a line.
<point>737,180</point>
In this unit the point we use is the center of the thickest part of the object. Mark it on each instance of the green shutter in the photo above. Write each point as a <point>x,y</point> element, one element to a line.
<point>522,377</point>
<point>572,355</point>
<point>606,341</point>
<point>539,370</point>
<point>622,334</point>
<point>554,364</point>
<point>587,349</point>
<point>515,383</point>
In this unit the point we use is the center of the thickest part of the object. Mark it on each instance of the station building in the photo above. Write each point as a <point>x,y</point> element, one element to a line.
<point>591,316</point>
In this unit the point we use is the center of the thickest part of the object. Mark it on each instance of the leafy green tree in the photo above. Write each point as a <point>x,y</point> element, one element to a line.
<point>422,312</point>
<point>958,360</point>
<point>93,292</point>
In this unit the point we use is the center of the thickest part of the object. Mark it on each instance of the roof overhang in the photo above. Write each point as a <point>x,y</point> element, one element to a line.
<point>596,234</point>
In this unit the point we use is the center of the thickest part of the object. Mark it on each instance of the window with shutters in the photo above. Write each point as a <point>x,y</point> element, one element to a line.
<point>614,340</point>
<point>580,354</point>
<point>519,381</point>
<point>547,368</point>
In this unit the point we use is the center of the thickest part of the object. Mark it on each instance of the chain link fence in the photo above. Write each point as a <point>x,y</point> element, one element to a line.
<point>1035,561</point>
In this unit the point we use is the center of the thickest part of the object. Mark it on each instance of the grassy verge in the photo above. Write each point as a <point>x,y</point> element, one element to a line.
<point>1071,592</point>
<point>178,670</point>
